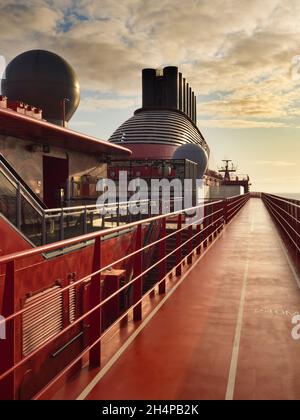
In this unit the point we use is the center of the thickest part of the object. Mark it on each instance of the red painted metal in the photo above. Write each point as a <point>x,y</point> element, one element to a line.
<point>234,204</point>
<point>7,346</point>
<point>200,366</point>
<point>28,128</point>
<point>151,151</point>
<point>225,212</point>
<point>198,232</point>
<point>162,257</point>
<point>112,281</point>
<point>11,241</point>
<point>286,214</point>
<point>34,274</point>
<point>190,244</point>
<point>178,246</point>
<point>95,299</point>
<point>137,273</point>
<point>97,267</point>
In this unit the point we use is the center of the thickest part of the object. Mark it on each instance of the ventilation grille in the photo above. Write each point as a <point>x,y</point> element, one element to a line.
<point>72,304</point>
<point>43,321</point>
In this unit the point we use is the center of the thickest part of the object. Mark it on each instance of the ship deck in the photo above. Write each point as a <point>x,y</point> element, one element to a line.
<point>224,332</point>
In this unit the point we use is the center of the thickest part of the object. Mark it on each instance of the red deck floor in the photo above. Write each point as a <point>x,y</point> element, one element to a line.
<point>226,330</point>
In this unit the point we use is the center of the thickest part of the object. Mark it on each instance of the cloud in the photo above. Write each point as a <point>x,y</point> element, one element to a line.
<point>236,47</point>
<point>96,104</point>
<point>274,163</point>
<point>239,123</point>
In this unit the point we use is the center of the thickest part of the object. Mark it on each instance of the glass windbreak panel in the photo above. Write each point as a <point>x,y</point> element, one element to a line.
<point>52,229</point>
<point>73,225</point>
<point>7,199</point>
<point>94,221</point>
<point>31,222</point>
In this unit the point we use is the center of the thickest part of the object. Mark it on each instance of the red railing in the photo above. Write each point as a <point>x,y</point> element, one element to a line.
<point>286,214</point>
<point>233,205</point>
<point>208,221</point>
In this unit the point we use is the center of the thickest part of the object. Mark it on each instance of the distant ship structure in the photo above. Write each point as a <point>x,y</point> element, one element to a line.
<point>232,178</point>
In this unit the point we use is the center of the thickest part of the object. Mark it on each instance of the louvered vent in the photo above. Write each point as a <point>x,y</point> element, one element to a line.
<point>159,127</point>
<point>72,304</point>
<point>43,321</point>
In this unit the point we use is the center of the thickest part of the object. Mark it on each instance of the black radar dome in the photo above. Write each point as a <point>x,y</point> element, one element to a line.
<point>44,80</point>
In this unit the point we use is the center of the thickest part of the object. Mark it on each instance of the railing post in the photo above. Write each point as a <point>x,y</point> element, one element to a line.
<point>92,219</point>
<point>162,254</point>
<point>205,224</point>
<point>215,217</point>
<point>19,206</point>
<point>7,345</point>
<point>61,225</point>
<point>129,213</point>
<point>225,215</point>
<point>222,221</point>
<point>118,213</point>
<point>44,229</point>
<point>85,221</point>
<point>190,245</point>
<point>179,246</point>
<point>210,228</point>
<point>137,285</point>
<point>198,240</point>
<point>95,299</point>
<point>298,237</point>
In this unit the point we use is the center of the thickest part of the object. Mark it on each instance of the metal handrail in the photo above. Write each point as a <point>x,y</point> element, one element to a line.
<point>127,256</point>
<point>287,213</point>
<point>90,236</point>
<point>60,213</point>
<point>16,184</point>
<point>9,318</point>
<point>214,227</point>
<point>108,205</point>
<point>288,201</point>
<point>235,197</point>
<point>289,230</point>
<point>288,234</point>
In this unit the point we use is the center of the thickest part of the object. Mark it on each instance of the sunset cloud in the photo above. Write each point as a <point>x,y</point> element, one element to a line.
<point>238,123</point>
<point>95,103</point>
<point>241,59</point>
<point>275,163</point>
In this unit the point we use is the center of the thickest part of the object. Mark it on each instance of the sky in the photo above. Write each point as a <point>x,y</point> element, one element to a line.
<point>241,57</point>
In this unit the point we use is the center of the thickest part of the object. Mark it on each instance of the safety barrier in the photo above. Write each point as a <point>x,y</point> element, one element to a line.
<point>286,214</point>
<point>202,223</point>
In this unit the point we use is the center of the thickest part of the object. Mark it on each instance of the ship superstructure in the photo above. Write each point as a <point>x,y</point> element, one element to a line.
<point>166,126</point>
<point>231,178</point>
<point>79,287</point>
